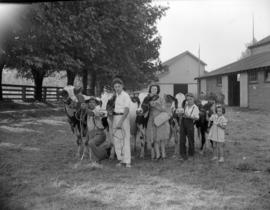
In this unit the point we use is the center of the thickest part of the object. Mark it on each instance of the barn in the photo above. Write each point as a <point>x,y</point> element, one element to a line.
<point>180,77</point>
<point>246,82</point>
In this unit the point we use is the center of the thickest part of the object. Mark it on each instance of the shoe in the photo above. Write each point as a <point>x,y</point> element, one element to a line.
<point>214,158</point>
<point>96,165</point>
<point>119,164</point>
<point>221,160</point>
<point>158,158</point>
<point>128,165</point>
<point>201,152</point>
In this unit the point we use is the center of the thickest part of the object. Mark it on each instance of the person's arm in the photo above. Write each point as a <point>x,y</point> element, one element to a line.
<point>195,114</point>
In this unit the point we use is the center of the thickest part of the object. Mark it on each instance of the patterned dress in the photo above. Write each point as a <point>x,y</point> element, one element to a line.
<point>217,133</point>
<point>161,133</point>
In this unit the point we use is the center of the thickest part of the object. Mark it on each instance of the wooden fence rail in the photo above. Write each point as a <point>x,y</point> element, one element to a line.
<point>26,92</point>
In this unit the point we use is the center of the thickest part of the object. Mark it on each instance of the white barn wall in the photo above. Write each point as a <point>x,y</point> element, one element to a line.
<point>166,89</point>
<point>182,71</point>
<point>193,88</point>
<point>203,85</point>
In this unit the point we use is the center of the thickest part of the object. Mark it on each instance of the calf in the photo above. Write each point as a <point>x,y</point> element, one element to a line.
<point>73,100</point>
<point>202,123</point>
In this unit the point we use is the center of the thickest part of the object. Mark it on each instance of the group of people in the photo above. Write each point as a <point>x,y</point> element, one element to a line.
<point>158,118</point>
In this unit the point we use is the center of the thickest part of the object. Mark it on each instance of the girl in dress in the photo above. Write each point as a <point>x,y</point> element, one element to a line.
<point>217,132</point>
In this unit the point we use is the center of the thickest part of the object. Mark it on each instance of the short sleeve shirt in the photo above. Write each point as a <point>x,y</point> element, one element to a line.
<point>122,101</point>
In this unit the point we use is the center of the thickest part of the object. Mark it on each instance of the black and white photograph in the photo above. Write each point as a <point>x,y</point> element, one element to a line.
<point>135,105</point>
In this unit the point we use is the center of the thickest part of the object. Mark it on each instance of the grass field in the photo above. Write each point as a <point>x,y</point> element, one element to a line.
<point>39,170</point>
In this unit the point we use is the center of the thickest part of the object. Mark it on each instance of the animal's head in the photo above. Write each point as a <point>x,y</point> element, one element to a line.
<point>172,100</point>
<point>68,93</point>
<point>111,104</point>
<point>135,99</point>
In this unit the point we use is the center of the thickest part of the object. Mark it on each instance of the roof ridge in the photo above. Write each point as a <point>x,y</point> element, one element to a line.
<point>171,60</point>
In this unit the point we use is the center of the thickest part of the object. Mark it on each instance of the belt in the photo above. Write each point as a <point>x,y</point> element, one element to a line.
<point>187,118</point>
<point>117,113</point>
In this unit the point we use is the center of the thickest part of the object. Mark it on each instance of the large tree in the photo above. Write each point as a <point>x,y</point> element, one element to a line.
<point>96,39</point>
<point>111,38</point>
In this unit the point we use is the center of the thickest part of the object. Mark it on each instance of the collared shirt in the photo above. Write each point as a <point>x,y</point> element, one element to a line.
<point>122,101</point>
<point>192,111</point>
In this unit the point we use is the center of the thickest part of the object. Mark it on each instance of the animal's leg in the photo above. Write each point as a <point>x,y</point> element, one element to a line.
<point>80,147</point>
<point>142,145</point>
<point>203,137</point>
<point>87,150</point>
<point>152,152</point>
<point>176,143</point>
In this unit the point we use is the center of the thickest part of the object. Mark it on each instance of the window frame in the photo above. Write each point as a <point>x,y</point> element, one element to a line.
<point>267,71</point>
<point>219,81</point>
<point>250,74</point>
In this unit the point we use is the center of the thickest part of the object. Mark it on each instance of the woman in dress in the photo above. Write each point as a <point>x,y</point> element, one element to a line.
<point>157,134</point>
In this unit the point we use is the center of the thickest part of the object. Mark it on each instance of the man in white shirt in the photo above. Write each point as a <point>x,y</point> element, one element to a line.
<point>121,124</point>
<point>191,113</point>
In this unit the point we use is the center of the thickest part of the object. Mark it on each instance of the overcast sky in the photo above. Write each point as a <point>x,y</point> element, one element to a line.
<point>220,27</point>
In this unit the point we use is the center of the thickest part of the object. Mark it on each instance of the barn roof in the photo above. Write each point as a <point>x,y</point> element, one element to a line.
<point>177,57</point>
<point>263,41</point>
<point>249,63</point>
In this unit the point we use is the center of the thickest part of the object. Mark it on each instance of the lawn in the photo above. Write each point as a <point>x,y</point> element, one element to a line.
<point>38,171</point>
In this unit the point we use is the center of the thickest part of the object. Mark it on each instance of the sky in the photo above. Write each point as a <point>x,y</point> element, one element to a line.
<point>221,28</point>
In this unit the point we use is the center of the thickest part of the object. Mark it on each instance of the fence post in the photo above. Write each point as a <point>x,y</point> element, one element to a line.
<point>57,93</point>
<point>23,93</point>
<point>45,93</point>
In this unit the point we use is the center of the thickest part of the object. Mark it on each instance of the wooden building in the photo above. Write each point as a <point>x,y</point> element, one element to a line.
<point>246,82</point>
<point>180,77</point>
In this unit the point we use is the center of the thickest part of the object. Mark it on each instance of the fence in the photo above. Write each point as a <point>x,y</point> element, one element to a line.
<point>26,92</point>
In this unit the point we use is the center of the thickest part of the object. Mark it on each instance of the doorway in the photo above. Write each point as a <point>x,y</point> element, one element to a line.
<point>233,90</point>
<point>180,88</point>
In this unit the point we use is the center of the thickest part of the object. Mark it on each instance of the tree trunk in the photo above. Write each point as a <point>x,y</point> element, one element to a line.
<point>93,83</point>
<point>1,71</point>
<point>84,80</point>
<point>38,79</point>
<point>70,77</point>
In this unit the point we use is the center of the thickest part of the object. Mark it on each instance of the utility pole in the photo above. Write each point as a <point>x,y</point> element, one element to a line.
<point>199,73</point>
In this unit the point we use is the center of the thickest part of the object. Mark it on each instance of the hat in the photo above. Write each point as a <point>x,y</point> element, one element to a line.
<point>189,95</point>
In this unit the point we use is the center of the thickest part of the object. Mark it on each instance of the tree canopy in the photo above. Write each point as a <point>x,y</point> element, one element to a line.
<point>95,39</point>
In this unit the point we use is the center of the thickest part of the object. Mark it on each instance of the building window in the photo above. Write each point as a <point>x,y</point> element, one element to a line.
<point>267,76</point>
<point>253,76</point>
<point>219,81</point>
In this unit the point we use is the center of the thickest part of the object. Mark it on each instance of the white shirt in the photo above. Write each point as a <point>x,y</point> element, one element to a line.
<point>192,112</point>
<point>122,101</point>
